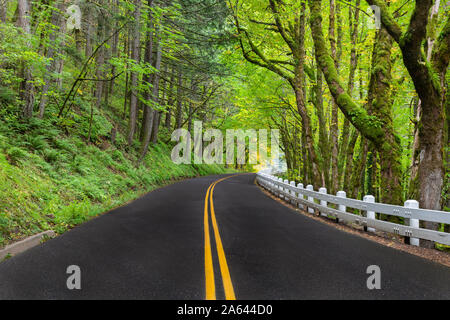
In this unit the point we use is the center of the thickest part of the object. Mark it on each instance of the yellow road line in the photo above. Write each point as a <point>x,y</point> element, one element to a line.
<point>226,279</point>
<point>209,269</point>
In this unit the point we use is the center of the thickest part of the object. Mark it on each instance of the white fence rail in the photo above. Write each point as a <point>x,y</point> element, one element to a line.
<point>306,199</point>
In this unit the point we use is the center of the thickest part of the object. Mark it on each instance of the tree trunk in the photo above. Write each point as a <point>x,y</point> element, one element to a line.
<point>359,171</point>
<point>55,21</point>
<point>334,183</point>
<point>114,51</point>
<point>429,82</point>
<point>107,53</point>
<point>135,48</point>
<point>170,100</point>
<point>3,10</point>
<point>26,87</point>
<point>88,17</point>
<point>179,112</point>
<point>100,59</point>
<point>379,129</point>
<point>347,147</point>
<point>379,102</point>
<point>414,187</point>
<point>349,161</point>
<point>323,136</point>
<point>148,112</point>
<point>305,160</point>
<point>156,90</point>
<point>150,121</point>
<point>126,50</point>
<point>299,89</point>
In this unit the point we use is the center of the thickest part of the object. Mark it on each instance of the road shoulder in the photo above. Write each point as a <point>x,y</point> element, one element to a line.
<point>382,238</point>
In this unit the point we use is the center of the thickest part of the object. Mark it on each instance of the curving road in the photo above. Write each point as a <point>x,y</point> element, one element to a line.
<point>196,239</point>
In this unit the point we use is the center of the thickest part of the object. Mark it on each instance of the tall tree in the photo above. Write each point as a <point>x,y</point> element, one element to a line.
<point>429,80</point>
<point>135,55</point>
<point>56,22</point>
<point>334,113</point>
<point>378,129</point>
<point>293,36</point>
<point>27,87</point>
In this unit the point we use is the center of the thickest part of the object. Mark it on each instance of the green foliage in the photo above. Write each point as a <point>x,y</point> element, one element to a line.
<point>58,171</point>
<point>7,96</point>
<point>16,155</point>
<point>72,215</point>
<point>37,143</point>
<point>51,155</point>
<point>57,181</point>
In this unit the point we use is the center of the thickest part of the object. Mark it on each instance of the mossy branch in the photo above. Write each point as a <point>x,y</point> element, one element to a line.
<point>356,114</point>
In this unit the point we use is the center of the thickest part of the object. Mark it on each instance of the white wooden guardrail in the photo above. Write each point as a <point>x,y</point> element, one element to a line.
<point>306,199</point>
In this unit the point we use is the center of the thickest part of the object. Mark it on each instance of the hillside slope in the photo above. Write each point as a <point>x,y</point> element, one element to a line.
<point>52,178</point>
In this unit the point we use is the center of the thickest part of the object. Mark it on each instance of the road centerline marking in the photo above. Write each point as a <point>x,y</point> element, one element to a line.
<point>224,270</point>
<point>209,268</point>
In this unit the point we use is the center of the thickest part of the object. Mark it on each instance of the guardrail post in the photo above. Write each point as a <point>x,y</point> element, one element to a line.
<point>271,184</point>
<point>341,207</point>
<point>286,189</point>
<point>280,188</point>
<point>413,204</point>
<point>292,192</point>
<point>369,214</point>
<point>301,196</point>
<point>310,188</point>
<point>323,202</point>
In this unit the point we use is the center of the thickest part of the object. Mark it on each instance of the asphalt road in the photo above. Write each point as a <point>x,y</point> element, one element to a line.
<point>157,248</point>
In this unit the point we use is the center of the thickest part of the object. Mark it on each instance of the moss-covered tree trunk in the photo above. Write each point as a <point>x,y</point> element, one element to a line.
<point>348,137</point>
<point>379,105</point>
<point>316,176</point>
<point>349,160</point>
<point>334,184</point>
<point>429,82</point>
<point>293,35</point>
<point>324,146</point>
<point>376,128</point>
<point>305,159</point>
<point>359,170</point>
<point>299,89</point>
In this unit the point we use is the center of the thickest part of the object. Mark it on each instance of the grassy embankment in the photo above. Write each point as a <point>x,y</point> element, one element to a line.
<point>51,178</point>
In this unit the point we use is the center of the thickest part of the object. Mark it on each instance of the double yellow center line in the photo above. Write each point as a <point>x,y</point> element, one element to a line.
<point>209,269</point>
